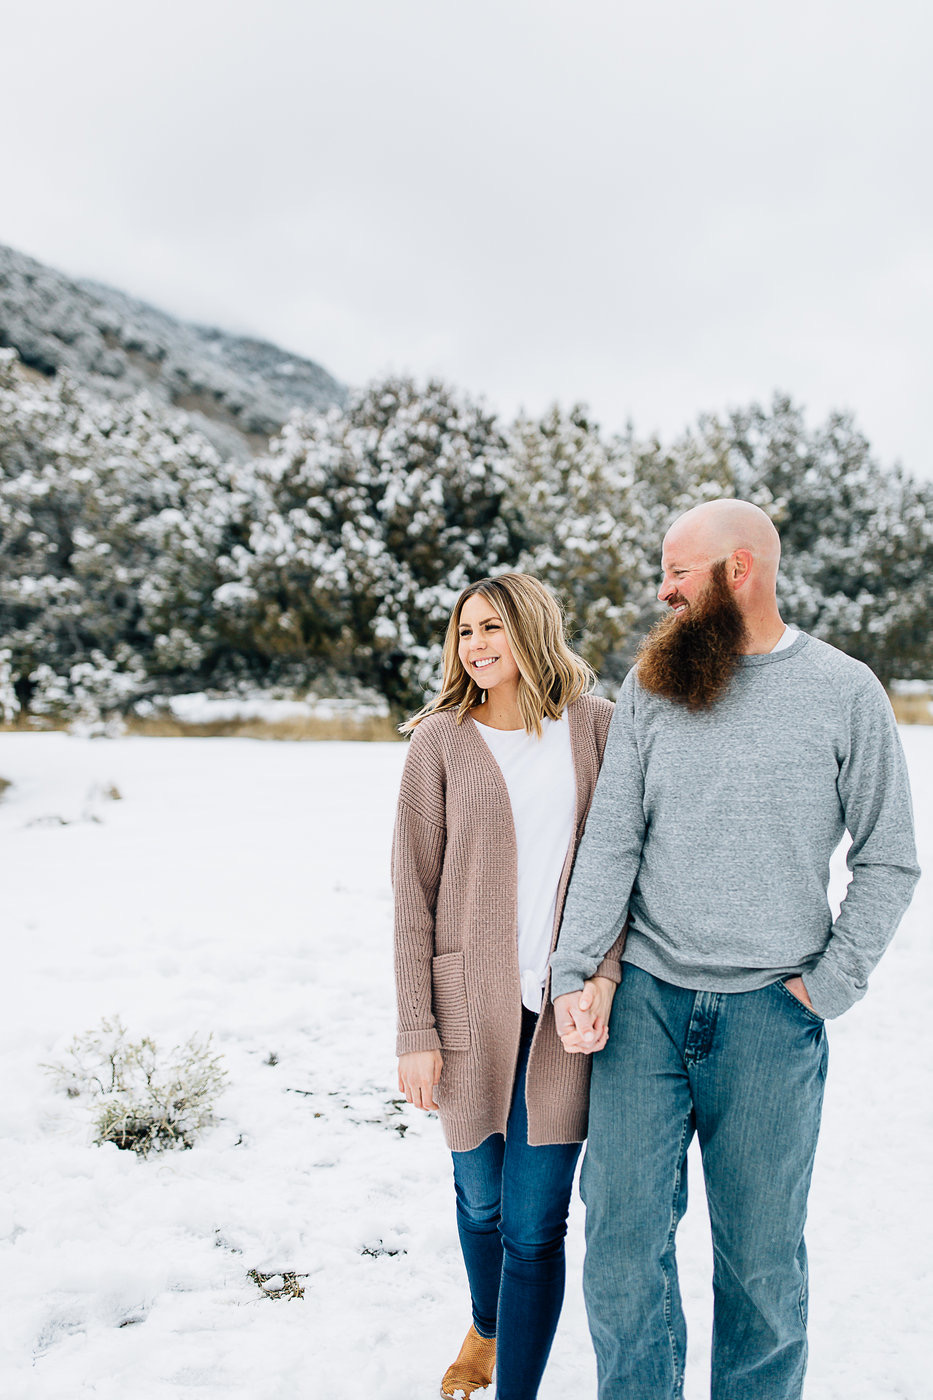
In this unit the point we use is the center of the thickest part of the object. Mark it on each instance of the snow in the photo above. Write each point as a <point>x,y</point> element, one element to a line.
<point>200,708</point>
<point>911,687</point>
<point>241,888</point>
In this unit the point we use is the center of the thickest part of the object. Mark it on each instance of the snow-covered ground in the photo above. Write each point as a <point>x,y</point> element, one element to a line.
<point>242,888</point>
<point>200,708</point>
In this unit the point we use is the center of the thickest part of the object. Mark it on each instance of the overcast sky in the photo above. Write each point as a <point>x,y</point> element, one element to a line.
<point>656,208</point>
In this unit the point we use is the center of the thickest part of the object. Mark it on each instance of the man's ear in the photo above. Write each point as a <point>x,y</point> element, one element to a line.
<point>740,567</point>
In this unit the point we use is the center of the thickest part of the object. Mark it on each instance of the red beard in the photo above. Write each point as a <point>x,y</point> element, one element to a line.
<point>691,656</point>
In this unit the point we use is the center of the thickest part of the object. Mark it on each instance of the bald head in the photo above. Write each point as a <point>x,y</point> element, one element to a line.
<point>716,529</point>
<point>742,540</point>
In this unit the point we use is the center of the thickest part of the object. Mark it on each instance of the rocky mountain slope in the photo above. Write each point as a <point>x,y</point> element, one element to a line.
<point>238,390</point>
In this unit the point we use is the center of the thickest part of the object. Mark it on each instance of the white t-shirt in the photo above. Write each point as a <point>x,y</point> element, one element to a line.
<point>542,788</point>
<point>786,639</point>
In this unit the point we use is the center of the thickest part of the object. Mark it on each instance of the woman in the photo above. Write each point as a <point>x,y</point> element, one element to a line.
<point>495,791</point>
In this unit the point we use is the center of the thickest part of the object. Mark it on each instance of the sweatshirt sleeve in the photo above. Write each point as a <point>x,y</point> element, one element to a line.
<point>875,795</point>
<point>592,928</point>
<point>611,965</point>
<point>418,845</point>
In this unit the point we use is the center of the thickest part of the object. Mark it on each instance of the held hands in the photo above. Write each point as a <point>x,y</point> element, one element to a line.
<point>582,1023</point>
<point>583,1017</point>
<point>418,1076</point>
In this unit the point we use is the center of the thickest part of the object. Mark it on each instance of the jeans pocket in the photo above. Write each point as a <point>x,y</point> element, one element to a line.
<point>451,1010</point>
<point>801,1006</point>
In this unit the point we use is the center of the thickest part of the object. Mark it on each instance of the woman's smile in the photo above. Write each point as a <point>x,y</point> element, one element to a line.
<point>480,624</point>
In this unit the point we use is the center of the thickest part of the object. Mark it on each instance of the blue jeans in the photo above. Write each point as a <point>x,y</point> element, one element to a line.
<point>512,1203</point>
<point>745,1071</point>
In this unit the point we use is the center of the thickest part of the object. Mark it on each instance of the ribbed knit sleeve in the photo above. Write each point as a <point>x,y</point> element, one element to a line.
<point>602,711</point>
<point>418,845</point>
<point>611,965</point>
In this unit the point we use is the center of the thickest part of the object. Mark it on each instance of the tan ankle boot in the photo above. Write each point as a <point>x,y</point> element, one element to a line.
<point>472,1369</point>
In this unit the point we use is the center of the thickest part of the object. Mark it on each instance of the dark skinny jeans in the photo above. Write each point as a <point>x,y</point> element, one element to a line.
<point>512,1203</point>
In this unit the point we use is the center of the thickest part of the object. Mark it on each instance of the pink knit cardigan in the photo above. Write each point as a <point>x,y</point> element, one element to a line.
<point>455,876</point>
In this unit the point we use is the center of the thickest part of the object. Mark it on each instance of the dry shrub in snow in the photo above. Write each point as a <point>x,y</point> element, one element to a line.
<point>281,1285</point>
<point>142,1099</point>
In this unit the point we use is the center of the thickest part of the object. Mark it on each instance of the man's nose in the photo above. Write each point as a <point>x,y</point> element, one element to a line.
<point>665,591</point>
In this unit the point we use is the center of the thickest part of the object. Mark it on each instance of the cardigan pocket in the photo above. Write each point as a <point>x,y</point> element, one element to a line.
<point>451,1013</point>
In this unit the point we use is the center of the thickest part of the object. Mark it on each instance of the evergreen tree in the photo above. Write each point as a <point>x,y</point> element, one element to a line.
<point>113,518</point>
<point>596,510</point>
<point>134,560</point>
<point>379,518</point>
<point>586,531</point>
<point>857,539</point>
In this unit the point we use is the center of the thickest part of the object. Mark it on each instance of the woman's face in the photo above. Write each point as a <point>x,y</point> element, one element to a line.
<point>484,649</point>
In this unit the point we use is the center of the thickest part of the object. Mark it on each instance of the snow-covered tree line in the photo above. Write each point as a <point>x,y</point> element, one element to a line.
<point>135,562</point>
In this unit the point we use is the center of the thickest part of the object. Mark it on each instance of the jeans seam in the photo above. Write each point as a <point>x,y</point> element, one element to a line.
<point>804,1293</point>
<point>676,1361</point>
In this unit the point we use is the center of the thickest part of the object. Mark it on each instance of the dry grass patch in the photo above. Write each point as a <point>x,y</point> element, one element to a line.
<point>33,724</point>
<point>377,729</point>
<point>366,728</point>
<point>913,709</point>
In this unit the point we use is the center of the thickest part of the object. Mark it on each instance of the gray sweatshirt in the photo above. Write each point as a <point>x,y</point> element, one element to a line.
<point>712,832</point>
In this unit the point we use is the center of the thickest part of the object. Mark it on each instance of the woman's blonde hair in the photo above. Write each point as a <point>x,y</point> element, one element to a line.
<point>550,674</point>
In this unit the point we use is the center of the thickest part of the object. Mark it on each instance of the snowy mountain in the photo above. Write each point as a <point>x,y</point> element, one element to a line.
<point>239,391</point>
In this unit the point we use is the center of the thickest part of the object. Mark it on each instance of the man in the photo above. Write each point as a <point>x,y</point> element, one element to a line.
<point>740,751</point>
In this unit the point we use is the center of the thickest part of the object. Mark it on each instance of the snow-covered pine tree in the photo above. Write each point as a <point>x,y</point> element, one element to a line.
<point>107,563</point>
<point>586,531</point>
<point>857,538</point>
<point>134,560</point>
<point>380,516</point>
<point>596,510</point>
<point>197,542</point>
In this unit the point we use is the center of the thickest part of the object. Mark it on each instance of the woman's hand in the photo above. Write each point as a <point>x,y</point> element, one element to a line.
<point>418,1076</point>
<point>583,1017</point>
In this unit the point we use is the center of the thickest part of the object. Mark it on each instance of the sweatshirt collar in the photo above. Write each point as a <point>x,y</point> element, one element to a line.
<point>775,658</point>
